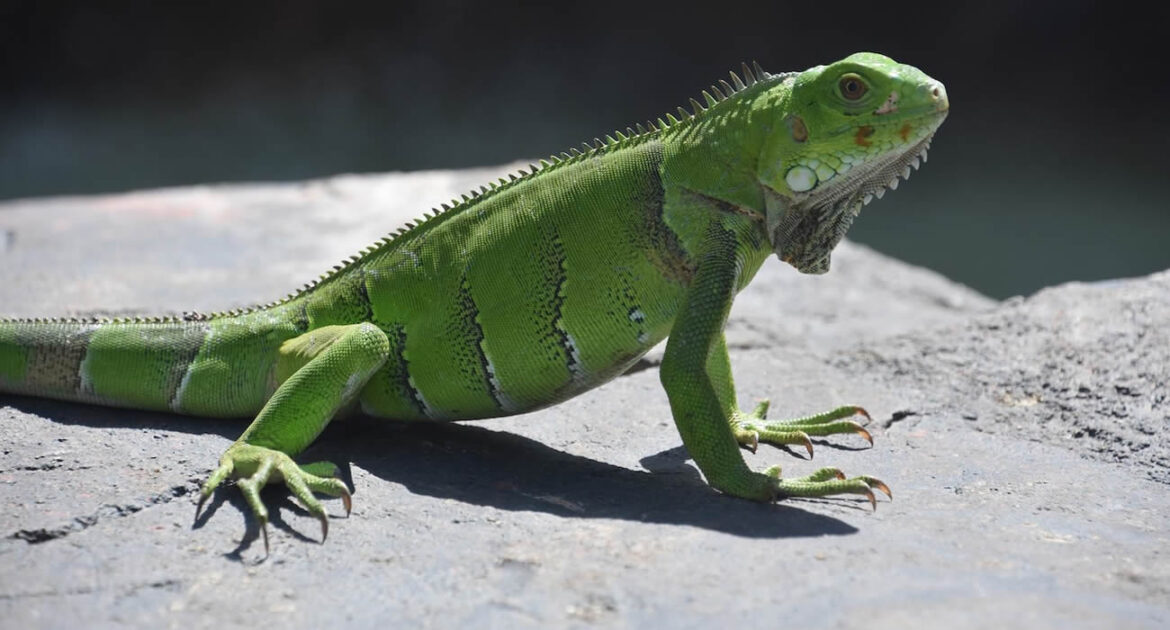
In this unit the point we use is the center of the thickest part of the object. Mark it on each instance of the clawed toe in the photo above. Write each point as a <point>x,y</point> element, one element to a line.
<point>829,482</point>
<point>751,429</point>
<point>256,466</point>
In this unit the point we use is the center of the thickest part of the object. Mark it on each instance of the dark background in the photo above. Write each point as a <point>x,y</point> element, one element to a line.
<point>1051,166</point>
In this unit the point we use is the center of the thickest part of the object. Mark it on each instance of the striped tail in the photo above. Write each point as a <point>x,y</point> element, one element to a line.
<point>213,367</point>
<point>139,364</point>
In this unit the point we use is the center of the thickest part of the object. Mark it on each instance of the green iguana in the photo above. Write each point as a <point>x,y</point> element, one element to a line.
<point>535,289</point>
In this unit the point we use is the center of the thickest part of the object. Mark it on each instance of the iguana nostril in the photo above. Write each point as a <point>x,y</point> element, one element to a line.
<point>938,94</point>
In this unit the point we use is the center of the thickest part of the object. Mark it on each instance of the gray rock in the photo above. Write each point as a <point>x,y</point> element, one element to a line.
<point>1025,443</point>
<point>1081,366</point>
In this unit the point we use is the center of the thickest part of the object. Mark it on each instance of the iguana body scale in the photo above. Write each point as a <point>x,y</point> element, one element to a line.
<point>536,289</point>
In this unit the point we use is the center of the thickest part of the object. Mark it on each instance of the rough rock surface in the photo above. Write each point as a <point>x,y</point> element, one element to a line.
<point>1085,367</point>
<point>1026,444</point>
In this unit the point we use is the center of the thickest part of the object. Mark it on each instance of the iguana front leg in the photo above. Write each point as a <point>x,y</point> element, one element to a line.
<point>320,372</point>
<point>697,377</point>
<point>752,428</point>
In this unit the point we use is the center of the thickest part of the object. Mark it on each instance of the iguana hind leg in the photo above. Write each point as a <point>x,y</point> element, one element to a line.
<point>320,372</point>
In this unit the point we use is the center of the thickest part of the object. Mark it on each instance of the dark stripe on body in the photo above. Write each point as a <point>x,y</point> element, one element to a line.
<point>662,245</point>
<point>471,330</point>
<point>559,274</point>
<point>302,322</point>
<point>363,294</point>
<point>727,207</point>
<point>399,368</point>
<point>187,344</point>
<point>344,301</point>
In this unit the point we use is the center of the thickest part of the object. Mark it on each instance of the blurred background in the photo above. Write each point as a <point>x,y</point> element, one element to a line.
<point>1051,166</point>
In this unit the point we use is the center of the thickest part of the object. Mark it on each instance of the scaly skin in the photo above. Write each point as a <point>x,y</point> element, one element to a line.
<point>537,289</point>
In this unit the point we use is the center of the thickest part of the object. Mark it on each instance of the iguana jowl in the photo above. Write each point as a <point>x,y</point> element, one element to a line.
<point>537,288</point>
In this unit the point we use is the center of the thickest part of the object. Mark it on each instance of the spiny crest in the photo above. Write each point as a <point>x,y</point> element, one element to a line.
<point>751,76</point>
<point>96,320</point>
<point>712,96</point>
<point>719,92</point>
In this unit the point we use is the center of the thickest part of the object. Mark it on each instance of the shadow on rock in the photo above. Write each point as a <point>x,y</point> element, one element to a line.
<point>509,472</point>
<point>483,467</point>
<point>96,416</point>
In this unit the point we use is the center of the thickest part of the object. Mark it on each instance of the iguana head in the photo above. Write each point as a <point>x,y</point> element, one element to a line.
<point>849,131</point>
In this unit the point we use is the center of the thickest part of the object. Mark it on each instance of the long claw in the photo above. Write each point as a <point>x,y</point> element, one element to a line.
<point>808,445</point>
<point>264,531</point>
<point>872,499</point>
<point>213,481</point>
<point>863,433</point>
<point>880,485</point>
<point>324,527</point>
<point>348,503</point>
<point>861,411</point>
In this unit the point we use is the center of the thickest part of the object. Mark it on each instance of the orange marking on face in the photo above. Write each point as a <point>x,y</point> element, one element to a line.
<point>798,129</point>
<point>905,132</point>
<point>863,134</point>
<point>862,137</point>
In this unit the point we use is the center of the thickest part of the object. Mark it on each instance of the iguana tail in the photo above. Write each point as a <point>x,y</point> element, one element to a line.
<point>147,363</point>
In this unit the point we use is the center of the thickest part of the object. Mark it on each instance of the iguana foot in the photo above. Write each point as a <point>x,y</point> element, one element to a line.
<point>255,466</point>
<point>827,482</point>
<point>751,429</point>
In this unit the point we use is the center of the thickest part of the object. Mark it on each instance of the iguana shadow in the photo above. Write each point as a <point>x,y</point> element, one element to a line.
<point>510,472</point>
<point>480,466</point>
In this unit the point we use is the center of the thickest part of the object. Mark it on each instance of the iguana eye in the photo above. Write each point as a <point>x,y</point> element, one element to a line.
<point>852,87</point>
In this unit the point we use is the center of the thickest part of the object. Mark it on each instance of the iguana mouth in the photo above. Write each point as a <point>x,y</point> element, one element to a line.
<point>817,221</point>
<point>889,172</point>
